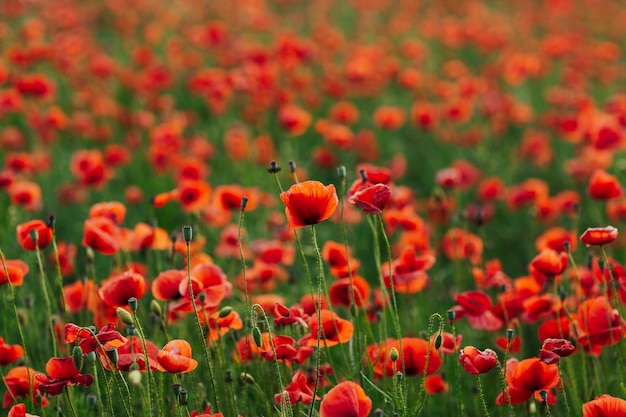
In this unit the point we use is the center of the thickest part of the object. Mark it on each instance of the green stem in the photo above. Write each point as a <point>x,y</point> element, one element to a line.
<point>481,393</point>
<point>46,298</point>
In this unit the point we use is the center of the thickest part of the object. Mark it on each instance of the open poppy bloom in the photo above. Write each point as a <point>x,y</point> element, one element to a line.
<point>175,357</point>
<point>372,199</point>
<point>604,186</point>
<point>15,271</point>
<point>113,210</point>
<point>132,352</point>
<point>21,381</point>
<point>284,316</point>
<point>346,399</point>
<point>9,353</point>
<point>550,262</point>
<point>297,391</point>
<point>25,233</point>
<point>61,373</point>
<point>19,410</point>
<point>435,384</point>
<point>346,292</point>
<point>598,324</point>
<point>116,290</point>
<point>26,194</point>
<point>107,337</point>
<point>605,406</point>
<point>476,305</point>
<point>597,236</point>
<point>102,235</point>
<point>554,349</point>
<point>334,330</point>
<point>527,378</point>
<point>412,357</point>
<point>308,203</point>
<point>476,361</point>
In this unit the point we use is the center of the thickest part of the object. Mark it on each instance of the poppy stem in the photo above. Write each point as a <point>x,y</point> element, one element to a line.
<point>620,315</point>
<point>482,396</point>
<point>187,233</point>
<point>505,388</point>
<point>46,299</point>
<point>246,318</point>
<point>69,400</point>
<point>564,388</point>
<point>320,277</point>
<point>151,380</point>
<point>58,268</point>
<point>18,322</point>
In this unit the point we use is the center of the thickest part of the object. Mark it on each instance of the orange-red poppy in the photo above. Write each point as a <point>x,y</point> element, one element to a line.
<point>550,262</point>
<point>555,238</point>
<point>460,244</point>
<point>337,255</point>
<point>25,233</point>
<point>113,210</point>
<point>597,236</point>
<point>294,119</point>
<point>61,373</point>
<point>528,378</point>
<point>19,410</point>
<point>604,186</point>
<point>435,384</point>
<point>598,324</point>
<point>26,194</point>
<point>106,338</point>
<point>284,316</point>
<point>175,357</point>
<point>90,168</point>
<point>132,352</point>
<point>102,235</point>
<point>9,353</point>
<point>193,195</point>
<point>372,199</point>
<point>346,399</point>
<point>308,203</point>
<point>476,361</point>
<point>412,357</point>
<point>116,290</point>
<point>476,305</point>
<point>13,271</point>
<point>389,117</point>
<point>346,292</point>
<point>298,390</point>
<point>605,406</point>
<point>66,256</point>
<point>332,330</point>
<point>21,381</point>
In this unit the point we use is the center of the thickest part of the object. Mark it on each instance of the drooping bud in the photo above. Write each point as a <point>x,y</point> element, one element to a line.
<point>113,356</point>
<point>124,316</point>
<point>438,341</point>
<point>182,397</point>
<point>225,311</point>
<point>246,378</point>
<point>451,316</point>
<point>77,357</point>
<point>257,336</point>
<point>155,307</point>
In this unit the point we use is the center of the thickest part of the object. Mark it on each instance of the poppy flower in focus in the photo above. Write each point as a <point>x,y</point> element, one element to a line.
<point>605,406</point>
<point>116,290</point>
<point>19,410</point>
<point>107,337</point>
<point>604,186</point>
<point>308,203</point>
<point>9,353</point>
<point>554,349</point>
<point>476,361</point>
<point>346,399</point>
<point>102,235</point>
<point>13,271</point>
<point>175,357</point>
<point>372,199</point>
<point>25,233</point>
<point>61,373</point>
<point>527,378</point>
<point>298,390</point>
<point>334,330</point>
<point>597,236</point>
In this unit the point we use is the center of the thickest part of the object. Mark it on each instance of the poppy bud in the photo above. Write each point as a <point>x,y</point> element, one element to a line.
<point>544,395</point>
<point>509,334</point>
<point>187,233</point>
<point>246,378</point>
<point>113,356</point>
<point>566,246</point>
<point>451,316</point>
<point>393,354</point>
<point>258,338</point>
<point>131,331</point>
<point>274,168</point>
<point>77,357</point>
<point>155,307</point>
<point>438,341</point>
<point>134,377</point>
<point>244,202</point>
<point>182,398</point>
<point>363,175</point>
<point>292,167</point>
<point>124,316</point>
<point>132,303</point>
<point>399,376</point>
<point>51,221</point>
<point>91,358</point>
<point>92,400</point>
<point>202,297</point>
<point>341,172</point>
<point>176,389</point>
<point>225,311</point>
<point>34,235</point>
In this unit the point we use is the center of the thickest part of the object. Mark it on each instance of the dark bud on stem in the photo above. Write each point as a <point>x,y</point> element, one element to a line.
<point>274,168</point>
<point>132,303</point>
<point>292,166</point>
<point>244,203</point>
<point>341,172</point>
<point>187,233</point>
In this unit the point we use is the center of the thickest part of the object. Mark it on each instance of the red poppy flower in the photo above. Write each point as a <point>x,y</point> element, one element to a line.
<point>19,410</point>
<point>9,353</point>
<point>107,337</point>
<point>132,352</point>
<point>21,381</point>
<point>113,210</point>
<point>604,186</point>
<point>435,384</point>
<point>597,236</point>
<point>412,357</point>
<point>284,316</point>
<point>90,168</point>
<point>116,291</point>
<point>554,349</point>
<point>372,199</point>
<point>15,271</point>
<point>193,195</point>
<point>605,406</point>
<point>346,399</point>
<point>308,203</point>
<point>298,390</point>
<point>337,255</point>
<point>175,357</point>
<point>67,255</point>
<point>554,238</point>
<point>409,271</point>
<point>549,262</point>
<point>513,346</point>
<point>335,330</point>
<point>102,235</point>
<point>477,305</point>
<point>528,377</point>
<point>346,292</point>
<point>476,361</point>
<point>598,324</point>
<point>220,324</point>
<point>61,373</point>
<point>26,194</point>
<point>449,343</point>
<point>294,119</point>
<point>25,231</point>
<point>461,244</point>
